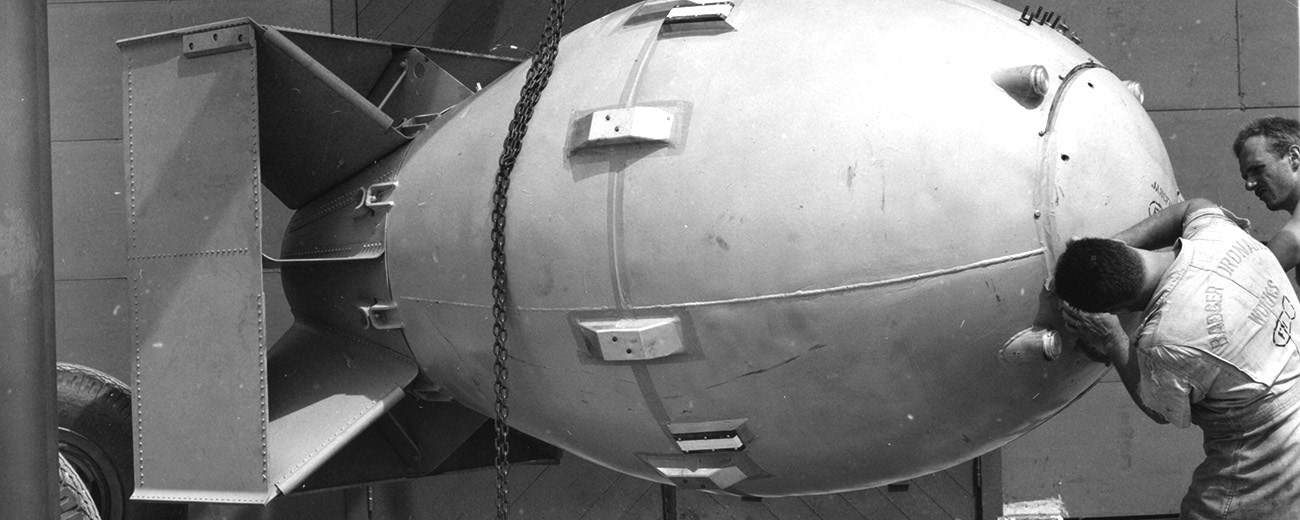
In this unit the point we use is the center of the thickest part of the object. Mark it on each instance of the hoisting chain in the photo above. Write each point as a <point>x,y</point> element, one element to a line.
<point>538,74</point>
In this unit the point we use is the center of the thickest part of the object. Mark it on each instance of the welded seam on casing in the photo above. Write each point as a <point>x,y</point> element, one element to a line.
<point>779,296</point>
<point>1045,200</point>
<point>1054,110</point>
<point>615,201</point>
<point>643,58</point>
<point>614,236</point>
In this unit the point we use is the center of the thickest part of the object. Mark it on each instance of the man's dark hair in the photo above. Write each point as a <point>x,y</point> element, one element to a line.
<point>1280,133</point>
<point>1095,274</point>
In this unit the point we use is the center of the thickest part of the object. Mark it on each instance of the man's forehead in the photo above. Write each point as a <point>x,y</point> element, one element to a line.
<point>1255,149</point>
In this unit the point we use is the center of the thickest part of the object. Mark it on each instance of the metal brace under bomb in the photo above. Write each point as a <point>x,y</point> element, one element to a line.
<point>1050,19</point>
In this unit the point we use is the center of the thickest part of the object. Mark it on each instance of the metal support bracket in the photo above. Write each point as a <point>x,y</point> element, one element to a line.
<point>630,124</point>
<point>632,339</point>
<point>711,12</point>
<point>377,198</point>
<point>217,41</point>
<point>602,130</point>
<point>708,16</point>
<point>706,471</point>
<point>381,316</point>
<point>712,436</point>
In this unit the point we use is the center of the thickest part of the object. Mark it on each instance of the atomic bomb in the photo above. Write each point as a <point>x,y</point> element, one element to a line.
<point>763,248</point>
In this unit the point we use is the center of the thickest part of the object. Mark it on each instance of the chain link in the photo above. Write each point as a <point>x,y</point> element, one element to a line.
<point>538,75</point>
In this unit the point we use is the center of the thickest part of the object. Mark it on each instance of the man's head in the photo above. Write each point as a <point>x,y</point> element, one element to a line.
<point>1268,155</point>
<point>1100,275</point>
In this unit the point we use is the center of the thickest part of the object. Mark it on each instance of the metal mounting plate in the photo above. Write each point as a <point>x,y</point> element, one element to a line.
<point>633,339</point>
<point>216,41</point>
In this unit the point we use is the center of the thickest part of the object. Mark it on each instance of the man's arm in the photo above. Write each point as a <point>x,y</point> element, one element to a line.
<point>1103,334</point>
<point>1163,228</point>
<point>1285,244</point>
<point>1121,354</point>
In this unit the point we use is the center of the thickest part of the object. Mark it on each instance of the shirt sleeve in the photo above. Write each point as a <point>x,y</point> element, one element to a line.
<point>1200,220</point>
<point>1172,378</point>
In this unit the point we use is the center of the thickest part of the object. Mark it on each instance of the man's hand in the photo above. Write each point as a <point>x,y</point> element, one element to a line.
<point>1097,332</point>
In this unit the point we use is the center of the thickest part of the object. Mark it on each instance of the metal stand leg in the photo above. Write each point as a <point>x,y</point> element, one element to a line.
<point>669,495</point>
<point>28,449</point>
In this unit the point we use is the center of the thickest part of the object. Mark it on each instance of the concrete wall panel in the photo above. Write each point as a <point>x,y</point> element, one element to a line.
<point>343,14</point>
<point>517,32</point>
<point>413,21</point>
<point>374,17</point>
<point>89,213</point>
<point>92,319</point>
<point>1270,34</point>
<point>463,26</point>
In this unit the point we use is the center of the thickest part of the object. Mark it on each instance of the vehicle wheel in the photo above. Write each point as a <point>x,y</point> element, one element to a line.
<point>75,502</point>
<point>95,438</point>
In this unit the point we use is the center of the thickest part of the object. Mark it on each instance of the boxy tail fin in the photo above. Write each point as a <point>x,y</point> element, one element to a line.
<point>212,114</point>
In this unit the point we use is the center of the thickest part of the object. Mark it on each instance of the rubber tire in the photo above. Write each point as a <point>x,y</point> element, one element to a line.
<point>75,502</point>
<point>95,436</point>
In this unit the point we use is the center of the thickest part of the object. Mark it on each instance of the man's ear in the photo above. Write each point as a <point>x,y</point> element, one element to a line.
<point>1293,157</point>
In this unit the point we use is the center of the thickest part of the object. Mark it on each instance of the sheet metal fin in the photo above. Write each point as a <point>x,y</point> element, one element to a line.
<point>332,106</point>
<point>219,417</point>
<point>414,85</point>
<point>326,388</point>
<point>317,131</point>
<point>194,254</point>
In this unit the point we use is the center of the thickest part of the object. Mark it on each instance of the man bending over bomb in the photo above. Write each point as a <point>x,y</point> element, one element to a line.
<point>1214,348</point>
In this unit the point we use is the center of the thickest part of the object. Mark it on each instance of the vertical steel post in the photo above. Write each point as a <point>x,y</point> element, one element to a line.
<point>28,421</point>
<point>668,497</point>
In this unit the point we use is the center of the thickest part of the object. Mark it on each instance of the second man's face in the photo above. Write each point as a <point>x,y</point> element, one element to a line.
<point>1271,178</point>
